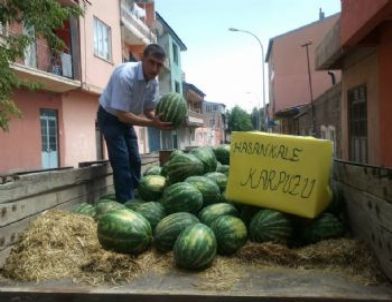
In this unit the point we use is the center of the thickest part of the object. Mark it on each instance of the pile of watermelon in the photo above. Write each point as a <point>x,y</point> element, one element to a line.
<point>181,207</point>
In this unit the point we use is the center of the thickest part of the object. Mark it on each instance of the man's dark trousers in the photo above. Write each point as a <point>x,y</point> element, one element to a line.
<point>121,141</point>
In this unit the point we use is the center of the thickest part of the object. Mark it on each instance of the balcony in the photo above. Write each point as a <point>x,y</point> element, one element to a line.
<point>47,80</point>
<point>194,119</point>
<point>134,30</point>
<point>52,72</point>
<point>330,52</point>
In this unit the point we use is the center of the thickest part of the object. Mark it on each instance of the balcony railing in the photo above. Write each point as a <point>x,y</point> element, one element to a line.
<point>195,119</point>
<point>135,30</point>
<point>52,72</point>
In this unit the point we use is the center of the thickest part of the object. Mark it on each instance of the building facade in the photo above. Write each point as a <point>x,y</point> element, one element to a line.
<point>213,132</point>
<point>360,45</point>
<point>58,127</point>
<point>195,119</point>
<point>294,81</point>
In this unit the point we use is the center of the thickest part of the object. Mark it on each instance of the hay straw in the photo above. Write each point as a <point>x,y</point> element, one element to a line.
<point>267,254</point>
<point>223,274</point>
<point>54,247</point>
<point>348,256</point>
<point>110,267</point>
<point>64,245</point>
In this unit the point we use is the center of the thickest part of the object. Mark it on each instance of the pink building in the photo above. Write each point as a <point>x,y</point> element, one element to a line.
<point>288,68</point>
<point>58,126</point>
<point>361,46</point>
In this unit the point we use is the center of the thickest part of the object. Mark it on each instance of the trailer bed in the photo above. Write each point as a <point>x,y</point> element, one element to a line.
<point>272,284</point>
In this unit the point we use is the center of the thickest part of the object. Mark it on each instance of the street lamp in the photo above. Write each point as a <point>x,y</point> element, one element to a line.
<point>262,71</point>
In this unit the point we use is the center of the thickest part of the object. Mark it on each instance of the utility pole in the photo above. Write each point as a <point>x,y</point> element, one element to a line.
<point>312,118</point>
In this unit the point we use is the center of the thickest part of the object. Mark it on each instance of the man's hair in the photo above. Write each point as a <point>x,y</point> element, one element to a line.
<point>154,50</point>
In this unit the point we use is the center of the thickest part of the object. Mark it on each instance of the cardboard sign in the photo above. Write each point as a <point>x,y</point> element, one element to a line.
<point>282,172</point>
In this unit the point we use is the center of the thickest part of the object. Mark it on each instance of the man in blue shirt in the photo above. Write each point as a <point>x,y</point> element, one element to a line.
<point>132,91</point>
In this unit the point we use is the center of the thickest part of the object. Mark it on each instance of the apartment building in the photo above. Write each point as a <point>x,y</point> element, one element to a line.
<point>294,82</point>
<point>58,127</point>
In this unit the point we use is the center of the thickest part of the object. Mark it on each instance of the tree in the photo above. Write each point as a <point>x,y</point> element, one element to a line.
<point>44,16</point>
<point>239,120</point>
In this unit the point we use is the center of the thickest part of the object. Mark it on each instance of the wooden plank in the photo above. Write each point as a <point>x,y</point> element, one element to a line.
<point>17,210</point>
<point>28,185</point>
<point>370,220</point>
<point>375,180</point>
<point>257,284</point>
<point>34,184</point>
<point>4,255</point>
<point>10,234</point>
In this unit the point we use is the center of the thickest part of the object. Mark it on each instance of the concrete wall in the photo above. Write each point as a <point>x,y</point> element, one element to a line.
<point>327,110</point>
<point>79,115</point>
<point>360,70</point>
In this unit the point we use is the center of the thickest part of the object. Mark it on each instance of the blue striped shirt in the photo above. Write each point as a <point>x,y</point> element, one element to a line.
<point>128,91</point>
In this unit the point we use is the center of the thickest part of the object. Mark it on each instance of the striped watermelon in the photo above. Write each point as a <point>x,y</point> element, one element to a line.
<point>151,187</point>
<point>168,229</point>
<point>270,225</point>
<point>223,169</point>
<point>182,197</point>
<point>230,232</point>
<point>182,166</point>
<point>208,214</point>
<point>153,170</point>
<point>208,188</point>
<point>174,153</point>
<point>222,154</point>
<point>153,211</point>
<point>134,203</point>
<point>247,212</point>
<point>85,209</point>
<point>102,208</point>
<point>172,107</point>
<point>207,157</point>
<point>195,248</point>
<point>324,227</point>
<point>219,178</point>
<point>164,169</point>
<point>124,231</point>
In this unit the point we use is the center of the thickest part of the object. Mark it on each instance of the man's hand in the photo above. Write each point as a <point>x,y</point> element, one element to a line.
<point>152,121</point>
<point>157,123</point>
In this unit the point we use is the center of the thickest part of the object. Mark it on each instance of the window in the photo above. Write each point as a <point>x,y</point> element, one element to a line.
<point>357,124</point>
<point>175,53</point>
<point>102,40</point>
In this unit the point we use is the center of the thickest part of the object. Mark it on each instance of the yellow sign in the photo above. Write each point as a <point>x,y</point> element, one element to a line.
<point>282,172</point>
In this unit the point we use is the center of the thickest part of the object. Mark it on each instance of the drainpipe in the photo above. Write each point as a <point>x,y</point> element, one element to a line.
<point>333,77</point>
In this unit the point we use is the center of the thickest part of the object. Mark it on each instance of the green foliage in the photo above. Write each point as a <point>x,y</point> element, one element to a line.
<point>44,16</point>
<point>239,120</point>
